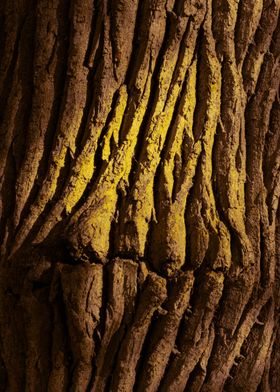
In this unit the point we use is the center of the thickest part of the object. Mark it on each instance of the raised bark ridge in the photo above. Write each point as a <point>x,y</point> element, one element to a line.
<point>139,174</point>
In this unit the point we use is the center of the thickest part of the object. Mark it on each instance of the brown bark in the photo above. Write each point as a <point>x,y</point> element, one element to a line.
<point>139,180</point>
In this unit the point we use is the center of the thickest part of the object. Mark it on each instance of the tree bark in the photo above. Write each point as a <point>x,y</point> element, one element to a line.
<point>140,183</point>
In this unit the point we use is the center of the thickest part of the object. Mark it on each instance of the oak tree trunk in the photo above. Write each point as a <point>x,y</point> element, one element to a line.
<point>140,183</point>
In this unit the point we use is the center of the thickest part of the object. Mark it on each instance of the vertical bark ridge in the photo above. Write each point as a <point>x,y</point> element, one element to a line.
<point>152,296</point>
<point>114,314</point>
<point>197,376</point>
<point>229,178</point>
<point>192,343</point>
<point>70,114</point>
<point>244,31</point>
<point>174,181</point>
<point>16,99</point>
<point>58,59</point>
<point>82,173</point>
<point>117,167</point>
<point>163,335</point>
<point>261,42</point>
<point>10,17</point>
<point>106,359</point>
<point>43,82</point>
<point>83,313</point>
<point>82,162</point>
<point>11,339</point>
<point>202,219</point>
<point>218,370</point>
<point>256,349</point>
<point>139,207</point>
<point>271,162</point>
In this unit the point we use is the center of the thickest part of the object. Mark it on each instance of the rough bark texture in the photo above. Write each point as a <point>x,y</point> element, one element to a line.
<point>140,183</point>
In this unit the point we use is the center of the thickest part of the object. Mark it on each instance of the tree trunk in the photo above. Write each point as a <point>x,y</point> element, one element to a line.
<point>140,183</point>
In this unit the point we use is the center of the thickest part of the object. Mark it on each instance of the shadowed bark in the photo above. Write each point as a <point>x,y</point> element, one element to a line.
<point>140,183</point>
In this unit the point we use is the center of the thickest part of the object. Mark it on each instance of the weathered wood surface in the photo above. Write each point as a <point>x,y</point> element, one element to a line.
<point>140,183</point>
